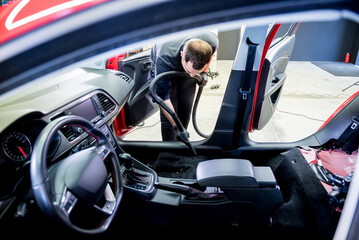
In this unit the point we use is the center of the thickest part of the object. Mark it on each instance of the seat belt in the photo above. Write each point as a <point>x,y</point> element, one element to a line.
<point>244,91</point>
<point>348,132</point>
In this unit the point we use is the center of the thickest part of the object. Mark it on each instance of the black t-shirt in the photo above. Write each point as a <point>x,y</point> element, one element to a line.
<point>167,57</point>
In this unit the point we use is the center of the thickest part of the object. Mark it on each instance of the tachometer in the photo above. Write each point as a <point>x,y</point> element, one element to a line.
<point>17,146</point>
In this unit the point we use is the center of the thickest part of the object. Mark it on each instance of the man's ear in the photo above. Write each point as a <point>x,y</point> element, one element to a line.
<point>181,53</point>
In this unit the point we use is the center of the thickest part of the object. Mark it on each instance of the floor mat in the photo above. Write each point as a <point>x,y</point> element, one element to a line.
<point>306,211</point>
<point>177,166</point>
<point>339,68</point>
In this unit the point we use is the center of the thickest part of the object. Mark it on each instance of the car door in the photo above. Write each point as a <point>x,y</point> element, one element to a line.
<point>139,106</point>
<point>272,75</point>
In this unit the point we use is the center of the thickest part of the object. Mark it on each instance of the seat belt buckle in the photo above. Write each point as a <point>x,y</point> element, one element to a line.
<point>245,93</point>
<point>355,123</point>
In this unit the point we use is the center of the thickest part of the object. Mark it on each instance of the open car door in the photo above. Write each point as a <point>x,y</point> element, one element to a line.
<point>139,105</point>
<point>272,75</point>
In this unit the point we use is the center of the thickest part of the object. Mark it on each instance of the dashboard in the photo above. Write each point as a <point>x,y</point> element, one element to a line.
<point>95,99</point>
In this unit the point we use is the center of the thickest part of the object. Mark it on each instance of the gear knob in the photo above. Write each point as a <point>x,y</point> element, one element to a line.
<point>127,160</point>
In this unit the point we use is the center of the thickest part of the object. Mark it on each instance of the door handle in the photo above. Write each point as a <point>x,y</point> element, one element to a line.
<point>146,65</point>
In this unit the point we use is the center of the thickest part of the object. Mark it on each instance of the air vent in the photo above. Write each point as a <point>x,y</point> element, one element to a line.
<point>69,133</point>
<point>124,77</point>
<point>106,104</point>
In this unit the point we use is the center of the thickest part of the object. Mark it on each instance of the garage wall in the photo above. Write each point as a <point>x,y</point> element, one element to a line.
<point>315,41</point>
<point>328,41</point>
<point>228,44</point>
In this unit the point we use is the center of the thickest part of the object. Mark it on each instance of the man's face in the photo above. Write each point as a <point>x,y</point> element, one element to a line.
<point>188,67</point>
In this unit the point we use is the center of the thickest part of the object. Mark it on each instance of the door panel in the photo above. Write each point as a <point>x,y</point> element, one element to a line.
<point>139,106</point>
<point>272,78</point>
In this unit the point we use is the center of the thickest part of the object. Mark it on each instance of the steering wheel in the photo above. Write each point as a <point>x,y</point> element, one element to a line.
<point>88,179</point>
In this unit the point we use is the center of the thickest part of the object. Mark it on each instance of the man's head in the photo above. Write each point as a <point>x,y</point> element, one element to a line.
<point>195,56</point>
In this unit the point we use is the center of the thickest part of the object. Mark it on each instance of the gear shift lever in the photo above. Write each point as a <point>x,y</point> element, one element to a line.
<point>136,178</point>
<point>127,160</point>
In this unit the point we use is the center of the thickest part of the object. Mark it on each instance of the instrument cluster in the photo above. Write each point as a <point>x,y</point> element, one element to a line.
<point>16,146</point>
<point>17,141</point>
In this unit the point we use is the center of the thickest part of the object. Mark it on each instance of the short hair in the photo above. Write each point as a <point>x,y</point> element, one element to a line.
<point>197,51</point>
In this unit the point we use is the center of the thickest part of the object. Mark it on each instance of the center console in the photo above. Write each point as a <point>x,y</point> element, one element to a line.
<point>241,182</point>
<point>232,185</point>
<point>137,177</point>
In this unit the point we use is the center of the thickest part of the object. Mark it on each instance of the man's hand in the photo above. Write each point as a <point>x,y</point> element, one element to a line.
<point>203,81</point>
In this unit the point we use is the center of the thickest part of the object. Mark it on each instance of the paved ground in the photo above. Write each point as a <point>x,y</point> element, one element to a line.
<point>310,95</point>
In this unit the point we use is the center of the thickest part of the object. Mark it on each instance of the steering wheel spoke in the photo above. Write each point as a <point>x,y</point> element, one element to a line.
<point>103,151</point>
<point>68,202</point>
<point>110,204</point>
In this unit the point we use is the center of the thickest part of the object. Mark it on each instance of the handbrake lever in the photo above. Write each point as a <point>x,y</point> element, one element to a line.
<point>189,192</point>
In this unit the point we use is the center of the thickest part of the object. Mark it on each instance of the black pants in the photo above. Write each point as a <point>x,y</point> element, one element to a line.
<point>182,95</point>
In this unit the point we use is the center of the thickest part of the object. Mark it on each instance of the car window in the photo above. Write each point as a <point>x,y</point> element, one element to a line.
<point>309,96</point>
<point>318,81</point>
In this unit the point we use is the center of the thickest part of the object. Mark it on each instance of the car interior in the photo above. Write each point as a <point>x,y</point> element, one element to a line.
<point>66,171</point>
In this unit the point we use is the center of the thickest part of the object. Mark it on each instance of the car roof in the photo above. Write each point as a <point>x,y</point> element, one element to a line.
<point>89,28</point>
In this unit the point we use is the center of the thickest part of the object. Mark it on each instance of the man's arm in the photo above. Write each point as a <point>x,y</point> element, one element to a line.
<point>168,116</point>
<point>163,90</point>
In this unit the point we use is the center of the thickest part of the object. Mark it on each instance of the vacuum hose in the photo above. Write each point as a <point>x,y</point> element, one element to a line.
<point>180,127</point>
<point>194,113</point>
<point>182,136</point>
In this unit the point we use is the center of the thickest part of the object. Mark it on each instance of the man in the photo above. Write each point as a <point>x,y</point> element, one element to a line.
<point>192,54</point>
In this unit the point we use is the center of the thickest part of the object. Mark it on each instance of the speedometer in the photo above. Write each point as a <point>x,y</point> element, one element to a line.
<point>17,146</point>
